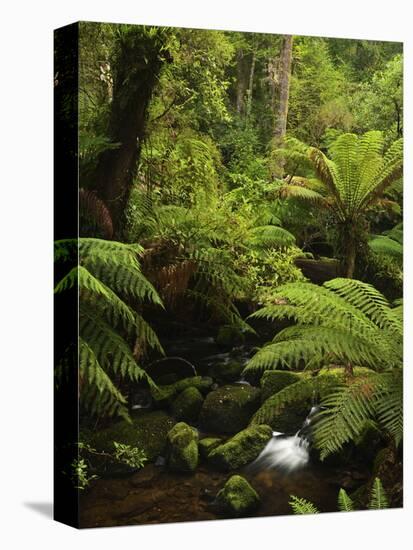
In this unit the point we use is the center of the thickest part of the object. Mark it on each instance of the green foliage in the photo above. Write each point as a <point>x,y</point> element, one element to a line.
<point>378,496</point>
<point>108,274</point>
<point>131,456</point>
<point>378,501</point>
<point>344,322</point>
<point>302,506</point>
<point>345,504</point>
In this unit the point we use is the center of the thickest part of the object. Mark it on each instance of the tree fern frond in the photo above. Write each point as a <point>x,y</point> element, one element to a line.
<point>98,393</point>
<point>270,236</point>
<point>345,414</point>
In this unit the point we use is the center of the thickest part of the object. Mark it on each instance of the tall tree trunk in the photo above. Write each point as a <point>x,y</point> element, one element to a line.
<point>284,87</point>
<point>241,82</point>
<point>135,71</point>
<point>251,84</point>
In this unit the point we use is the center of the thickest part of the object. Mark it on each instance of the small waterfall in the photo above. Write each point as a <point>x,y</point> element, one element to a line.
<point>286,453</point>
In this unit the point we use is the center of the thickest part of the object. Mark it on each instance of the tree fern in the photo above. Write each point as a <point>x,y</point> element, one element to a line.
<point>353,178</point>
<point>344,322</point>
<point>108,274</point>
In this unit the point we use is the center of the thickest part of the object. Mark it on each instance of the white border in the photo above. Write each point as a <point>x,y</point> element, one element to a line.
<point>26,276</point>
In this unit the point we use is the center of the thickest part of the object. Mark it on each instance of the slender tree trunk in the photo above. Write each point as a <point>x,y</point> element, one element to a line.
<point>251,84</point>
<point>284,87</point>
<point>135,72</point>
<point>241,84</point>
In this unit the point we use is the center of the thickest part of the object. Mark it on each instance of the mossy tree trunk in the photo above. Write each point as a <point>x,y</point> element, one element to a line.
<point>136,66</point>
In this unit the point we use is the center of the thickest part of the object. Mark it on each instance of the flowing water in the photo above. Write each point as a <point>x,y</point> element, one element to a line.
<point>157,495</point>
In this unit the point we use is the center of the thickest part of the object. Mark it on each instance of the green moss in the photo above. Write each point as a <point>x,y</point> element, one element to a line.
<point>241,449</point>
<point>273,381</point>
<point>226,372</point>
<point>207,444</point>
<point>237,498</point>
<point>166,394</point>
<point>187,405</point>
<point>229,408</point>
<point>147,431</point>
<point>182,448</point>
<point>229,336</point>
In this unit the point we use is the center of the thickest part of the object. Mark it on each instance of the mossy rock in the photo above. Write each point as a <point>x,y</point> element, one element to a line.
<point>182,448</point>
<point>241,449</point>
<point>166,394</point>
<point>229,336</point>
<point>207,444</point>
<point>226,372</point>
<point>237,498</point>
<point>187,405</point>
<point>228,409</point>
<point>148,431</point>
<point>273,381</point>
<point>339,375</point>
<point>169,370</point>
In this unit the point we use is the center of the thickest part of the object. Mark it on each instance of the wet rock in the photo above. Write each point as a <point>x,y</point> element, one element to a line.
<point>164,395</point>
<point>187,405</point>
<point>147,431</point>
<point>241,449</point>
<point>169,370</point>
<point>226,372</point>
<point>207,444</point>
<point>229,337</point>
<point>273,381</point>
<point>182,448</point>
<point>229,408</point>
<point>237,498</point>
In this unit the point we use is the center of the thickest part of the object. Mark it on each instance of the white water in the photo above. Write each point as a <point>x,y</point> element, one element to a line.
<point>286,453</point>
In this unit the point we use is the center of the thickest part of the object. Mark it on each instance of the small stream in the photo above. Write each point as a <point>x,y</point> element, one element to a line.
<point>157,495</point>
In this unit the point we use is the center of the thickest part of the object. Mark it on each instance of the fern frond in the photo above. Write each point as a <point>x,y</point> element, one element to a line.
<point>378,499</point>
<point>270,236</point>
<point>302,506</point>
<point>98,393</point>
<point>345,504</point>
<point>345,414</point>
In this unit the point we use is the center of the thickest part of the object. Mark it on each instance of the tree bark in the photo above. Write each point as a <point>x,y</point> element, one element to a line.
<point>135,71</point>
<point>251,84</point>
<point>240,84</point>
<point>284,94</point>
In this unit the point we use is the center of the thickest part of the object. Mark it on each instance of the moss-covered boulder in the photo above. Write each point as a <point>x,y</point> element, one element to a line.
<point>237,498</point>
<point>182,448</point>
<point>226,372</point>
<point>148,431</point>
<point>187,405</point>
<point>229,336</point>
<point>164,395</point>
<point>240,449</point>
<point>207,444</point>
<point>228,409</point>
<point>273,381</point>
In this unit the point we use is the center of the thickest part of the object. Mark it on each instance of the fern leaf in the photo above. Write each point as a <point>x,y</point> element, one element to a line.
<point>345,504</point>
<point>378,500</point>
<point>302,506</point>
